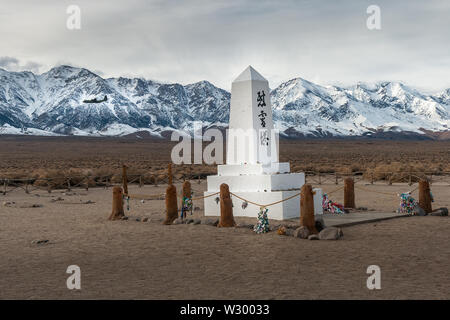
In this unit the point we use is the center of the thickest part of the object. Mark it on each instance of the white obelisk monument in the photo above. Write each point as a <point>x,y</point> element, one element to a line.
<point>252,170</point>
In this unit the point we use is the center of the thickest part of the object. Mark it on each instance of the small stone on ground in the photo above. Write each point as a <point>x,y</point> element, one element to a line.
<point>313,237</point>
<point>331,233</point>
<point>301,232</point>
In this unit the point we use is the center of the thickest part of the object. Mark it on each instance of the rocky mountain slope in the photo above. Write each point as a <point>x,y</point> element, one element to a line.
<point>52,103</point>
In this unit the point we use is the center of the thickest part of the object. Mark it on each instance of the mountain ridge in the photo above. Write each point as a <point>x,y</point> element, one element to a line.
<point>51,103</point>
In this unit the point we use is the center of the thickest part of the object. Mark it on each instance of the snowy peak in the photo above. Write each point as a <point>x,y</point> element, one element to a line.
<point>70,100</point>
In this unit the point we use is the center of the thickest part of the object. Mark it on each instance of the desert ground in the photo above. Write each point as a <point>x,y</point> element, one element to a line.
<point>133,259</point>
<point>28,156</point>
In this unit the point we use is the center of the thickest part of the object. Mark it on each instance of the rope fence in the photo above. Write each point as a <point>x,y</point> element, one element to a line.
<point>265,205</point>
<point>8,185</point>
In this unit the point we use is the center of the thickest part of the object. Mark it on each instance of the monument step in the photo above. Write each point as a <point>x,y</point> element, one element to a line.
<point>257,183</point>
<point>246,169</point>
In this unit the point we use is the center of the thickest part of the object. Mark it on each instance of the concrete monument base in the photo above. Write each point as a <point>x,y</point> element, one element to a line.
<point>281,211</point>
<point>251,182</point>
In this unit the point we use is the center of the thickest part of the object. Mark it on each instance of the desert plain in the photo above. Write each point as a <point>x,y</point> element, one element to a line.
<point>42,233</point>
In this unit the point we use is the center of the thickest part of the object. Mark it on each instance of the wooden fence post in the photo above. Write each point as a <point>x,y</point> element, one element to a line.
<point>425,196</point>
<point>68,184</point>
<point>26,187</point>
<point>349,193</point>
<point>226,208</point>
<point>4,187</point>
<point>186,191</point>
<point>171,204</point>
<point>140,182</point>
<point>124,179</point>
<point>87,183</point>
<point>171,199</point>
<point>307,208</point>
<point>117,205</point>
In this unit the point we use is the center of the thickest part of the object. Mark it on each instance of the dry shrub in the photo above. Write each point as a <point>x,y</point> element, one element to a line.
<point>116,178</point>
<point>49,177</point>
<point>57,179</point>
<point>78,176</point>
<point>148,178</point>
<point>11,175</point>
<point>396,172</point>
<point>161,178</point>
<point>104,172</point>
<point>345,171</point>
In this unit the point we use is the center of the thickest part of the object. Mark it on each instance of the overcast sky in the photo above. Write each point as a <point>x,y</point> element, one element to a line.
<point>326,42</point>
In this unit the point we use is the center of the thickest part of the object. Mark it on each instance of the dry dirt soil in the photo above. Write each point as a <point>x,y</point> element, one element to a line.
<point>146,260</point>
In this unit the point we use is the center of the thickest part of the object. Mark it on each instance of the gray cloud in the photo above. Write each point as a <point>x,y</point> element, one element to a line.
<point>8,62</point>
<point>187,41</point>
<point>13,64</point>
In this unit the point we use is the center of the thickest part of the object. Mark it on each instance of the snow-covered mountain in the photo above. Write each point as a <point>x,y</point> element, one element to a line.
<point>303,107</point>
<point>55,103</point>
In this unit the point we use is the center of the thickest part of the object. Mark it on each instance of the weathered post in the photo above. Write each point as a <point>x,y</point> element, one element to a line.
<point>117,205</point>
<point>307,208</point>
<point>187,192</point>
<point>349,193</point>
<point>26,186</point>
<point>171,199</point>
<point>425,196</point>
<point>4,187</point>
<point>140,182</point>
<point>68,184</point>
<point>171,204</point>
<point>226,208</point>
<point>124,179</point>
